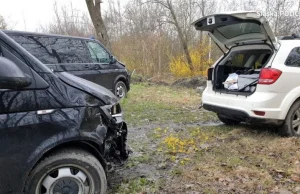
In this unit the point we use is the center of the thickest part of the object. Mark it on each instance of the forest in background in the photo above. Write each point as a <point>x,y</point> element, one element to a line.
<point>155,37</point>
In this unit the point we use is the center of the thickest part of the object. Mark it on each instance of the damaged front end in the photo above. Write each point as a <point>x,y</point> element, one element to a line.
<point>115,148</point>
<point>111,130</point>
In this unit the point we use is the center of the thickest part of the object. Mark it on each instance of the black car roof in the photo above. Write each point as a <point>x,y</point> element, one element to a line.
<point>13,32</point>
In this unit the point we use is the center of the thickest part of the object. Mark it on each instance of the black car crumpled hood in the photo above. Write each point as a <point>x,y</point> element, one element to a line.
<point>94,89</point>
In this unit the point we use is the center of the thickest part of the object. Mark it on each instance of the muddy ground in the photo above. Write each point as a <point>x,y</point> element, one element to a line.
<point>179,148</point>
<point>140,165</point>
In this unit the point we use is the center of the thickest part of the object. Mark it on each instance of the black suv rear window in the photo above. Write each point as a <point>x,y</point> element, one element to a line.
<point>52,50</point>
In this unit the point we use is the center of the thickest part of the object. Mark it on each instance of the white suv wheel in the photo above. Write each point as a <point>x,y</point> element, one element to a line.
<point>291,125</point>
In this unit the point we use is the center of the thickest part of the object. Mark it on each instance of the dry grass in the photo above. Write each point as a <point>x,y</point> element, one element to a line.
<point>242,160</point>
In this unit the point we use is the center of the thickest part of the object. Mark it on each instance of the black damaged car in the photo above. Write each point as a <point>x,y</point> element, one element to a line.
<point>84,57</point>
<point>58,133</point>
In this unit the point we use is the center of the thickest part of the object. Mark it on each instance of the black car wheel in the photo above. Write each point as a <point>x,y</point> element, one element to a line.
<point>228,121</point>
<point>291,126</point>
<point>68,172</point>
<point>120,89</point>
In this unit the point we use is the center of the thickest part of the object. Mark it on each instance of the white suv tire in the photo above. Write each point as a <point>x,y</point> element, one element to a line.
<point>291,126</point>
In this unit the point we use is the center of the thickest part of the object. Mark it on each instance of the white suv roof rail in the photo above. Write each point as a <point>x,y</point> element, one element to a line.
<point>292,37</point>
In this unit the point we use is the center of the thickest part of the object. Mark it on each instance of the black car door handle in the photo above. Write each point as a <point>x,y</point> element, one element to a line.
<point>91,67</point>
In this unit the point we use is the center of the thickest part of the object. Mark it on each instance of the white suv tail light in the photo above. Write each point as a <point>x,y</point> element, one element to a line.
<point>269,76</point>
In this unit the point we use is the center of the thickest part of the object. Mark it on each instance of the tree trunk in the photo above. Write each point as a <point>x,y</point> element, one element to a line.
<point>3,24</point>
<point>94,7</point>
<point>181,36</point>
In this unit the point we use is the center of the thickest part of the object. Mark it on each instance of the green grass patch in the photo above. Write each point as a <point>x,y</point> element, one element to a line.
<point>160,104</point>
<point>139,185</point>
<point>135,160</point>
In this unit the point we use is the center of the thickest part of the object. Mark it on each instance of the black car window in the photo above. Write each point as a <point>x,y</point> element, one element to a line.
<point>294,58</point>
<point>71,51</point>
<point>98,53</point>
<point>52,50</point>
<point>38,47</point>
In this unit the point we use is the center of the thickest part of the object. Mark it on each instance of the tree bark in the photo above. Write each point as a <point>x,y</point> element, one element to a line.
<point>94,7</point>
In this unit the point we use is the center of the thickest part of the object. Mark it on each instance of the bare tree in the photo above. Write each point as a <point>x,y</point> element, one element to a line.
<point>278,16</point>
<point>147,35</point>
<point>94,7</point>
<point>114,20</point>
<point>69,21</point>
<point>3,24</point>
<point>168,5</point>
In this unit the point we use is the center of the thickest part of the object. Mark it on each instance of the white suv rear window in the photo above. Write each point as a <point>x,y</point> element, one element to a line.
<point>239,29</point>
<point>294,58</point>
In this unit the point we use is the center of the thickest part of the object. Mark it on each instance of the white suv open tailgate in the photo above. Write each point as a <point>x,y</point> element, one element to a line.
<point>234,28</point>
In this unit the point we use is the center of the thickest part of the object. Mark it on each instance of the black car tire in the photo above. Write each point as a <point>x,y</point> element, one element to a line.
<point>78,161</point>
<point>293,116</point>
<point>120,89</point>
<point>228,121</point>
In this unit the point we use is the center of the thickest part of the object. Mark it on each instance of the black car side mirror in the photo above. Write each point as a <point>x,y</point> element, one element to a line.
<point>112,59</point>
<point>11,76</point>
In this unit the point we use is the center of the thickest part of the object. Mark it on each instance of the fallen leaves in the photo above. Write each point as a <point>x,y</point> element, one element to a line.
<point>295,177</point>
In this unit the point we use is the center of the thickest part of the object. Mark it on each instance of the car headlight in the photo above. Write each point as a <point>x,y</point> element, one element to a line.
<point>115,109</point>
<point>112,109</point>
<point>112,114</point>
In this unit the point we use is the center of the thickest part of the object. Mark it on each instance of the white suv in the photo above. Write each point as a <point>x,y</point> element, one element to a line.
<point>266,69</point>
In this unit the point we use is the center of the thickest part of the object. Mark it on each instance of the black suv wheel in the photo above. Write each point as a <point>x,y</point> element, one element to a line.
<point>120,89</point>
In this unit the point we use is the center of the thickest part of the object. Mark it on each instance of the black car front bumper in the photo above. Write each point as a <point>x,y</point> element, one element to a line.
<point>115,144</point>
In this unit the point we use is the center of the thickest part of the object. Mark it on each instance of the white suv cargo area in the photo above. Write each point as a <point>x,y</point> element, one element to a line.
<point>257,80</point>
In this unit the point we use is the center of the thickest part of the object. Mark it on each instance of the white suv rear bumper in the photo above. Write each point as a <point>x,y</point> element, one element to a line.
<point>259,101</point>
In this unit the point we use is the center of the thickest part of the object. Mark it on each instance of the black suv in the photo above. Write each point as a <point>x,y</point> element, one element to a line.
<point>83,57</point>
<point>59,133</point>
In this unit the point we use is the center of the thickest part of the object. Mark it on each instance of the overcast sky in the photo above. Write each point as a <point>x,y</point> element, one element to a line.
<point>29,14</point>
